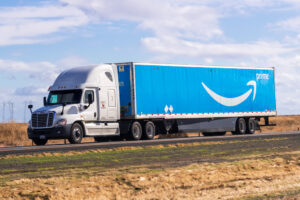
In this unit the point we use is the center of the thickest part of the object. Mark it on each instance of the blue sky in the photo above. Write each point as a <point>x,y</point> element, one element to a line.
<point>39,39</point>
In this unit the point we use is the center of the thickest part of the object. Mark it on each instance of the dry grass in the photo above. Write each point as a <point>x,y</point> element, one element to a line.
<point>283,123</point>
<point>241,179</point>
<point>15,134</point>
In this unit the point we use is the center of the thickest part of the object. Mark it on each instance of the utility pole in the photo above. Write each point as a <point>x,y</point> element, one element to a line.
<point>3,113</point>
<point>12,112</point>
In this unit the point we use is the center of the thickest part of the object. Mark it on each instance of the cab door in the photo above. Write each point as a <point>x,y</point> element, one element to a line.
<point>91,111</point>
<point>112,105</point>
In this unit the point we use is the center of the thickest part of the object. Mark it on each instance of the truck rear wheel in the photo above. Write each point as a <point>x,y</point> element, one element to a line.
<point>250,126</point>
<point>76,134</point>
<point>149,130</point>
<point>39,142</point>
<point>136,131</point>
<point>240,127</point>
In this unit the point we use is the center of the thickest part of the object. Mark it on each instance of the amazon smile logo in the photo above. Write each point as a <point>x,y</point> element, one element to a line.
<point>225,101</point>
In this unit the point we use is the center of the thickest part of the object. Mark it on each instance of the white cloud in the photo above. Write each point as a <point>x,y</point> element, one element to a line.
<point>292,24</point>
<point>26,25</point>
<point>161,17</point>
<point>40,70</point>
<point>73,61</point>
<point>31,91</point>
<point>44,72</point>
<point>175,47</point>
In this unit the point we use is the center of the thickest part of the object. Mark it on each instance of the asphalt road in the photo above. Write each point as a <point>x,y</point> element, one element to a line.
<point>23,150</point>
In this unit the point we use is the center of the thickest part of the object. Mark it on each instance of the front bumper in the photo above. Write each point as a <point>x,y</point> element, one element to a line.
<point>60,132</point>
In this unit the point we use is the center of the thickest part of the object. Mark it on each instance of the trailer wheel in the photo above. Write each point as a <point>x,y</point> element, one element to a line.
<point>240,127</point>
<point>39,142</point>
<point>136,131</point>
<point>149,130</point>
<point>250,126</point>
<point>76,134</point>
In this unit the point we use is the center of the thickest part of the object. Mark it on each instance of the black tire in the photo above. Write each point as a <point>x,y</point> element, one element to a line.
<point>76,134</point>
<point>136,131</point>
<point>240,127</point>
<point>39,142</point>
<point>250,126</point>
<point>149,130</point>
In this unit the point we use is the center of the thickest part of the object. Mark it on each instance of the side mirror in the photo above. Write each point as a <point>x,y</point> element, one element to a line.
<point>45,101</point>
<point>90,101</point>
<point>90,98</point>
<point>30,108</point>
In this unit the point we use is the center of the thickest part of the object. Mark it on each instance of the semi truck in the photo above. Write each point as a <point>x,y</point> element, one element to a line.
<point>138,100</point>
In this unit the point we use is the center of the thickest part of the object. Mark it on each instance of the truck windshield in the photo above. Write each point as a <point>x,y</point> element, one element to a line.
<point>66,96</point>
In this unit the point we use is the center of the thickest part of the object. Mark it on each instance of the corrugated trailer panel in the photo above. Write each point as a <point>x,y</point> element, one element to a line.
<point>183,90</point>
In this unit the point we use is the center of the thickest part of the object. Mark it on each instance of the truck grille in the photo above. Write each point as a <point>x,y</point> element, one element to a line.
<point>43,120</point>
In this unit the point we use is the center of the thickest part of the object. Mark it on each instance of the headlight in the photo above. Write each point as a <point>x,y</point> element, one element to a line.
<point>61,122</point>
<point>29,123</point>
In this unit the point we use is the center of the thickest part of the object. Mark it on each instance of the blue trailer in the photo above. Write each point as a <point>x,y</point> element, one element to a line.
<point>139,100</point>
<point>210,99</point>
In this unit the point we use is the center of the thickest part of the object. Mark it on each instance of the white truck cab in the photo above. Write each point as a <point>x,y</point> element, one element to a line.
<point>82,102</point>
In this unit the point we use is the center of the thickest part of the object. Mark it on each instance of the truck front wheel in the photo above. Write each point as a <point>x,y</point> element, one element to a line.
<point>136,131</point>
<point>39,142</point>
<point>76,134</point>
<point>149,131</point>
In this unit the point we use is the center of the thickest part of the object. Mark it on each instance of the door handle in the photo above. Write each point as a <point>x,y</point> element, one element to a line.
<point>95,114</point>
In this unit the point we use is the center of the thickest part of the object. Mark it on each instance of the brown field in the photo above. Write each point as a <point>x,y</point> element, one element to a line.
<point>251,177</point>
<point>15,134</point>
<point>243,169</point>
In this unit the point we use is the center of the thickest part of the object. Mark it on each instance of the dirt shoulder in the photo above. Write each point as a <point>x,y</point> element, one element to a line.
<point>247,169</point>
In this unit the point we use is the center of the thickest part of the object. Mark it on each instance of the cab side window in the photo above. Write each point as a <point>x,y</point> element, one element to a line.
<point>86,96</point>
